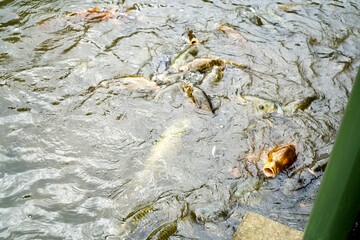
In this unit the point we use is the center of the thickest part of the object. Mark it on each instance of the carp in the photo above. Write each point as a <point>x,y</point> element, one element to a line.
<point>279,158</point>
<point>231,32</point>
<point>192,39</point>
<point>202,64</point>
<point>164,231</point>
<point>97,14</point>
<point>139,214</point>
<point>131,84</point>
<point>168,145</point>
<point>214,76</point>
<point>300,104</point>
<point>263,104</point>
<point>185,56</point>
<point>198,97</point>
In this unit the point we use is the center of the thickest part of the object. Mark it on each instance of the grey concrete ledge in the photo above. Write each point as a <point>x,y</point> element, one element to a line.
<point>257,227</point>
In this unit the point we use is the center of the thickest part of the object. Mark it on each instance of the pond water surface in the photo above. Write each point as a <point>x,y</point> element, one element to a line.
<point>84,155</point>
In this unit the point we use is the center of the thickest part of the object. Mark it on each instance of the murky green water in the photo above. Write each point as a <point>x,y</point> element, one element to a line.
<point>84,157</point>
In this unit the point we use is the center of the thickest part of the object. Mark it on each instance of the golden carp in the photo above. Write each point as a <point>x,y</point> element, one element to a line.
<point>131,83</point>
<point>214,76</point>
<point>168,78</point>
<point>192,39</point>
<point>92,15</point>
<point>279,158</point>
<point>185,56</point>
<point>97,14</point>
<point>287,7</point>
<point>169,90</point>
<point>238,38</point>
<point>238,65</point>
<point>231,32</point>
<point>262,104</point>
<point>202,64</point>
<point>168,145</point>
<point>128,85</point>
<point>300,104</point>
<point>198,97</point>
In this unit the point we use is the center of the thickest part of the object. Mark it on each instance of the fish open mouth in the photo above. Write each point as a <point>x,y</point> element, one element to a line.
<point>269,172</point>
<point>270,169</point>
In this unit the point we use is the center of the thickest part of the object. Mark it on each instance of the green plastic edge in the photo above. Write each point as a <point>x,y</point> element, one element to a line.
<point>337,203</point>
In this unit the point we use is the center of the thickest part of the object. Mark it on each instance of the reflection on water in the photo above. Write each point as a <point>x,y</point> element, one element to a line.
<point>100,138</point>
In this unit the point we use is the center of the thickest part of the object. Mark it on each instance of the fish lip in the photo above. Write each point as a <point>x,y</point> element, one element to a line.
<point>270,169</point>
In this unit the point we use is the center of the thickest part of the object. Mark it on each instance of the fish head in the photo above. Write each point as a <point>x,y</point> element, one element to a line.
<point>94,10</point>
<point>188,88</point>
<point>279,158</point>
<point>184,68</point>
<point>271,169</point>
<point>267,107</point>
